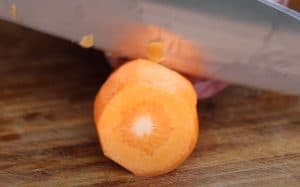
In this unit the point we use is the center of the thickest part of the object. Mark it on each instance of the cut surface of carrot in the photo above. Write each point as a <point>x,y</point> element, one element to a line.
<point>143,71</point>
<point>155,51</point>
<point>13,11</point>
<point>146,118</point>
<point>87,41</point>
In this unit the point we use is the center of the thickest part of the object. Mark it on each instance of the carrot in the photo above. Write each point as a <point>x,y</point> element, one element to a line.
<point>146,118</point>
<point>87,41</point>
<point>143,71</point>
<point>155,51</point>
<point>13,11</point>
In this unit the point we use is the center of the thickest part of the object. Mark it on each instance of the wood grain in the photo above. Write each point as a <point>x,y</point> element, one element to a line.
<point>47,86</point>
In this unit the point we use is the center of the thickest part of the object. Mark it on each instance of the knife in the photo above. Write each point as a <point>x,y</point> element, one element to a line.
<point>254,43</point>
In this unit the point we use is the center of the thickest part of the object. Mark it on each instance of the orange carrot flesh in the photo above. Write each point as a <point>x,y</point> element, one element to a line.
<point>143,71</point>
<point>145,135</point>
<point>146,122</point>
<point>155,51</point>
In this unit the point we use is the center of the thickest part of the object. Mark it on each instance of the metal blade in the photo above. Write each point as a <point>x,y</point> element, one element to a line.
<point>255,43</point>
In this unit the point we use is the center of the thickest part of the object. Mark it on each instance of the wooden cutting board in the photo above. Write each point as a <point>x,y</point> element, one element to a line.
<point>47,137</point>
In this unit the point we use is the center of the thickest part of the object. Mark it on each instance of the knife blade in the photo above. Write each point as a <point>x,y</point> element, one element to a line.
<point>254,43</point>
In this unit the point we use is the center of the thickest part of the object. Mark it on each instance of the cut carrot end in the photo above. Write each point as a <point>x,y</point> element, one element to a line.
<point>13,11</point>
<point>143,71</point>
<point>149,135</point>
<point>87,41</point>
<point>146,126</point>
<point>155,51</point>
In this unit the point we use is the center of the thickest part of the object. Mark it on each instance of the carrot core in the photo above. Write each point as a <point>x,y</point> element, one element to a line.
<point>142,126</point>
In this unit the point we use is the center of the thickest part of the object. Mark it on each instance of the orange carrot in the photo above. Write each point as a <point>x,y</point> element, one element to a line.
<point>146,118</point>
<point>143,71</point>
